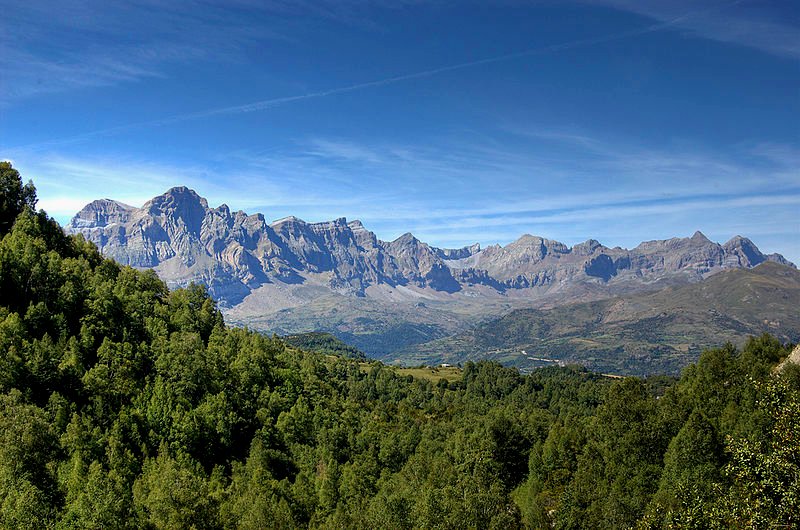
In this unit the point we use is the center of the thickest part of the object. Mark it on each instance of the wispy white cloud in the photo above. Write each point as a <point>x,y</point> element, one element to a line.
<point>270,103</point>
<point>54,46</point>
<point>603,212</point>
<point>753,24</point>
<point>635,192</point>
<point>564,184</point>
<point>346,151</point>
<point>29,74</point>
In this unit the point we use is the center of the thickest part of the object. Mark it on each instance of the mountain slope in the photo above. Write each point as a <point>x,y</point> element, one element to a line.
<point>643,333</point>
<point>291,276</point>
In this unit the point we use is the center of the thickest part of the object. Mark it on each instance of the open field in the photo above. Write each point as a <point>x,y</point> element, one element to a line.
<point>432,373</point>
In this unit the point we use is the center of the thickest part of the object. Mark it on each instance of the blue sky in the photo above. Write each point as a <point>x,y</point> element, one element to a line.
<point>459,121</point>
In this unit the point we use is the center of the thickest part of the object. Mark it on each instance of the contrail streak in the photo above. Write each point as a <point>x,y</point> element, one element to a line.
<point>276,102</point>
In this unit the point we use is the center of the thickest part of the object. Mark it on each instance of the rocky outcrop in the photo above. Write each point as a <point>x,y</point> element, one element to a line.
<point>420,264</point>
<point>533,261</point>
<point>102,213</point>
<point>233,253</point>
<point>792,359</point>
<point>457,253</point>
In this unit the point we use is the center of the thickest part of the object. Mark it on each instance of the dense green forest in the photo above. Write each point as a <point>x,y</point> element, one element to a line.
<point>125,405</point>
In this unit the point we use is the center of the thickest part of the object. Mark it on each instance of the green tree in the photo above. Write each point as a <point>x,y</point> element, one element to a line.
<point>103,501</point>
<point>692,474</point>
<point>174,495</point>
<point>766,472</point>
<point>28,489</point>
<point>255,498</point>
<point>14,196</point>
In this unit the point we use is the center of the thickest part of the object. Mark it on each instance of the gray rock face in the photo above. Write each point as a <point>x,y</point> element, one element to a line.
<point>101,213</point>
<point>421,264</point>
<point>535,262</point>
<point>233,253</point>
<point>457,253</point>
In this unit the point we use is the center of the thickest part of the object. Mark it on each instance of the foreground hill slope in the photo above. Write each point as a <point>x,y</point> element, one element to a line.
<point>126,405</point>
<point>635,334</point>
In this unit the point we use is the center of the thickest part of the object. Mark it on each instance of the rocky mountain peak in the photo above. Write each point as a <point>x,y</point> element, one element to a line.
<point>100,213</point>
<point>457,253</point>
<point>290,227</point>
<point>333,225</point>
<point>738,241</point>
<point>700,237</point>
<point>287,219</point>
<point>744,251</point>
<point>179,205</point>
<point>527,239</point>
<point>178,197</point>
<point>356,225</point>
<point>588,247</point>
<point>536,247</point>
<point>406,239</point>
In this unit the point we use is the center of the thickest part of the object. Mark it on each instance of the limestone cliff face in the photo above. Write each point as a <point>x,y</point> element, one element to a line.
<point>352,255</point>
<point>233,253</point>
<point>102,212</point>
<point>185,240</point>
<point>421,264</point>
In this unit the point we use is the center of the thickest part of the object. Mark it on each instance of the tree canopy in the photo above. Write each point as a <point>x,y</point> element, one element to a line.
<point>14,196</point>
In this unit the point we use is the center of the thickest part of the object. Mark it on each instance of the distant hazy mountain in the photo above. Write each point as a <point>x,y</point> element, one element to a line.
<point>291,276</point>
<point>634,334</point>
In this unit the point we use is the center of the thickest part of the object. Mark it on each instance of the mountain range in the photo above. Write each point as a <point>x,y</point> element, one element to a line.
<point>291,276</point>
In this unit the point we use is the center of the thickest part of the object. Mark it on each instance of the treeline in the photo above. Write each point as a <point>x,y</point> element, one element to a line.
<point>125,405</point>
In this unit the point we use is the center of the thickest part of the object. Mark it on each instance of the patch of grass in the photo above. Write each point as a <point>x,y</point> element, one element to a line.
<point>432,373</point>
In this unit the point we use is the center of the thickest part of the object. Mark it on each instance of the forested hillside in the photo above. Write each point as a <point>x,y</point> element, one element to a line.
<point>125,405</point>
